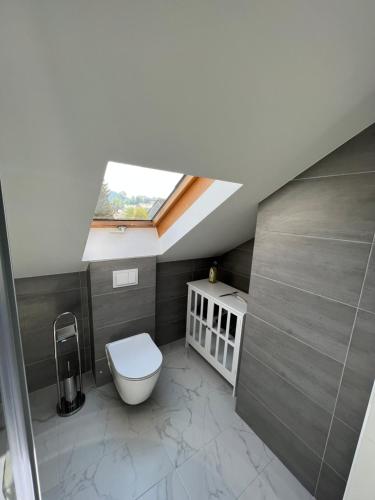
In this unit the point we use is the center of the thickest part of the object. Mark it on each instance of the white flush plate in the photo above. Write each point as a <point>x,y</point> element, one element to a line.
<point>125,277</point>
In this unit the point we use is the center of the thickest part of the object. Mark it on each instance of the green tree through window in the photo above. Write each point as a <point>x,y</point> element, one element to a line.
<point>129,192</point>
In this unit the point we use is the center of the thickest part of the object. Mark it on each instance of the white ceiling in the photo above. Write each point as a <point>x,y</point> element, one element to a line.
<point>246,91</point>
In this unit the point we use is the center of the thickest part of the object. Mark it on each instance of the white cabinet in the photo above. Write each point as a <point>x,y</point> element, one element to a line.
<point>215,316</point>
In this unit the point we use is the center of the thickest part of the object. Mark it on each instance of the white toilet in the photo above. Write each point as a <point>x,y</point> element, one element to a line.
<point>135,364</point>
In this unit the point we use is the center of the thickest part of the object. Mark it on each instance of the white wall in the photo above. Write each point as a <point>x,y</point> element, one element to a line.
<point>108,244</point>
<point>208,202</point>
<point>248,91</point>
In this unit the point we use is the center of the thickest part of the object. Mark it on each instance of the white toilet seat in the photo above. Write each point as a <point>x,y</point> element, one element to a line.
<point>142,378</point>
<point>135,363</point>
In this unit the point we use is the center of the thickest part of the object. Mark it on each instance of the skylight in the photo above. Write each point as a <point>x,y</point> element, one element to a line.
<point>129,192</point>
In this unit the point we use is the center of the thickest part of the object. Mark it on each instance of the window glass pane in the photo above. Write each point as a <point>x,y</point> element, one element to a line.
<point>134,193</point>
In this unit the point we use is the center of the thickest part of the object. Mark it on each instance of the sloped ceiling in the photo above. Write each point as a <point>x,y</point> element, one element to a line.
<point>246,91</point>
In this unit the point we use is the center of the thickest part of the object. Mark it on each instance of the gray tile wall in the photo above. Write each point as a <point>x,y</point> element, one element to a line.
<point>118,313</point>
<point>101,315</point>
<point>308,358</point>
<point>171,295</point>
<point>171,290</point>
<point>235,266</point>
<point>40,299</point>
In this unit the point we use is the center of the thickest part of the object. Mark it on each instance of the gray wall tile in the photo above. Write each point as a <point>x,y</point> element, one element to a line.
<point>200,274</point>
<point>40,299</point>
<point>331,268</point>
<point>341,446</point>
<point>235,266</point>
<point>247,245</point>
<point>92,341</point>
<point>333,207</point>
<point>353,398</point>
<point>203,264</point>
<point>39,311</point>
<point>114,313</point>
<point>331,486</point>
<point>112,308</point>
<point>172,286</point>
<point>302,461</point>
<point>240,281</point>
<point>102,280</point>
<point>368,295</point>
<point>170,320</point>
<point>86,360</point>
<point>201,267</point>
<point>171,295</point>
<point>102,372</point>
<point>359,372</point>
<point>84,302</point>
<point>355,156</point>
<point>175,267</point>
<point>361,356</point>
<point>305,418</point>
<point>43,373</point>
<point>119,331</point>
<point>38,345</point>
<point>117,313</point>
<point>171,289</point>
<point>47,284</point>
<point>170,331</point>
<point>314,236</point>
<point>238,261</point>
<point>171,310</point>
<point>313,373</point>
<point>323,324</point>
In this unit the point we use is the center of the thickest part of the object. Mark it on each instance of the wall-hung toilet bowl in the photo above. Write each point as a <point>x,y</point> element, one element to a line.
<point>135,364</point>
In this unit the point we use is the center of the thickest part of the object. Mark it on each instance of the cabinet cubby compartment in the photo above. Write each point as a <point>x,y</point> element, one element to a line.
<point>214,325</point>
<point>191,326</point>
<point>203,336</point>
<point>196,330</point>
<point>213,344</point>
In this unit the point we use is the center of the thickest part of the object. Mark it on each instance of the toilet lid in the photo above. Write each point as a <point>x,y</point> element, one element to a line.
<point>135,357</point>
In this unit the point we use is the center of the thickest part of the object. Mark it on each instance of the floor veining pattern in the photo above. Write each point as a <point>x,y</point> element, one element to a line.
<point>185,443</point>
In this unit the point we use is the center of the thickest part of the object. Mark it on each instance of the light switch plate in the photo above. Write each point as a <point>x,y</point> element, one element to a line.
<point>125,277</point>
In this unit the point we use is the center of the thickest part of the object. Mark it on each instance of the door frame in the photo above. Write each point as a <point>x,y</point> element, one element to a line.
<point>13,385</point>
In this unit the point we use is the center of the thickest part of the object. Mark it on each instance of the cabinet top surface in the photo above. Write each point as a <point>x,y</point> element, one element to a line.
<point>215,290</point>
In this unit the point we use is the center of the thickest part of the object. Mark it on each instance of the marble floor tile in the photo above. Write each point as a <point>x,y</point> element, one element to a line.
<point>178,386</point>
<point>226,466</point>
<point>169,488</point>
<point>184,443</point>
<point>204,414</point>
<point>81,444</point>
<point>202,480</point>
<point>43,403</point>
<point>47,445</point>
<point>181,433</point>
<point>275,483</point>
<point>124,474</point>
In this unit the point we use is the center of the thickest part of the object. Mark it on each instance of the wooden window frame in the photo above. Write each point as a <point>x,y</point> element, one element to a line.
<point>97,223</point>
<point>185,194</point>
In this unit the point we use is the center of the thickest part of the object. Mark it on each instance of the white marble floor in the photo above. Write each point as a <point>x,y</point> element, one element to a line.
<point>185,443</point>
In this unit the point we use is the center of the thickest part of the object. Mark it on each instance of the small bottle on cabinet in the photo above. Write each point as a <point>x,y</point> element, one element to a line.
<point>212,276</point>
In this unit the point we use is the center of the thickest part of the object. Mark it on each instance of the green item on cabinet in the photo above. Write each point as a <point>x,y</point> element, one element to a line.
<point>212,276</point>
